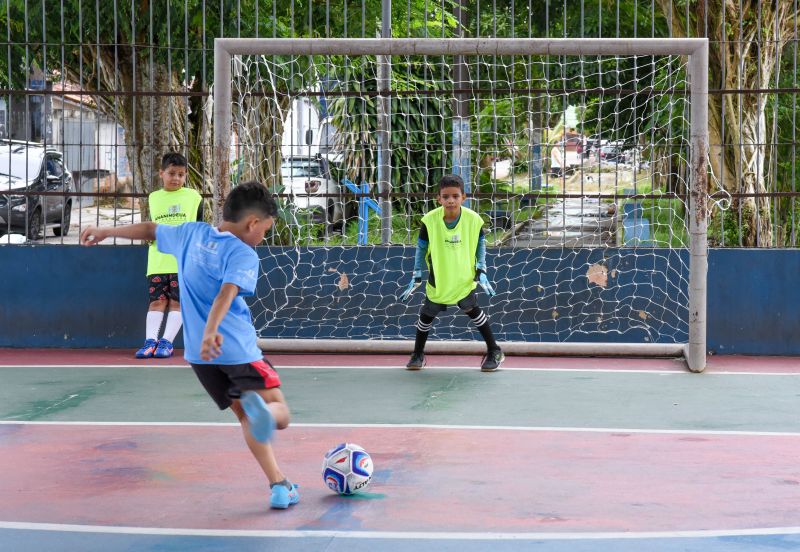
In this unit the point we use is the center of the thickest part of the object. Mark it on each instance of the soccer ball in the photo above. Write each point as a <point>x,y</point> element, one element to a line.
<point>347,469</point>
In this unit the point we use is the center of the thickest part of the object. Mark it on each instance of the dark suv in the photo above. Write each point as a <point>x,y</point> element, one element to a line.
<point>29,167</point>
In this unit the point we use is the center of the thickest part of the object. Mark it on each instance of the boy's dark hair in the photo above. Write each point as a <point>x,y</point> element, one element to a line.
<point>249,197</point>
<point>173,159</point>
<point>451,181</point>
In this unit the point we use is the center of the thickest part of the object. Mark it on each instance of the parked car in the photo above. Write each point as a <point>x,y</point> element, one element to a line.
<point>612,151</point>
<point>29,167</point>
<point>592,146</point>
<point>309,182</point>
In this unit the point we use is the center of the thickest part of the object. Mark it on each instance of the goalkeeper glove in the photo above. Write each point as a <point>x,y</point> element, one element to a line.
<point>416,280</point>
<point>480,276</point>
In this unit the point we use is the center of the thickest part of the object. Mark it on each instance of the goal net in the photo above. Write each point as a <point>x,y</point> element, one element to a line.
<point>585,158</point>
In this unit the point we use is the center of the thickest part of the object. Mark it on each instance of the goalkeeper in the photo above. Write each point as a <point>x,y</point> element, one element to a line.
<point>452,243</point>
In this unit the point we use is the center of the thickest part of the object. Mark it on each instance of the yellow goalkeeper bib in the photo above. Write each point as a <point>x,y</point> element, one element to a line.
<point>173,208</point>
<point>451,255</point>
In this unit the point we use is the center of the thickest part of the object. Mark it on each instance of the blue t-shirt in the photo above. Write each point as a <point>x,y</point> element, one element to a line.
<point>208,258</point>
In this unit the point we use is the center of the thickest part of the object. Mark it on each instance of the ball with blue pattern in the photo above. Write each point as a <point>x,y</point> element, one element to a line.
<point>347,469</point>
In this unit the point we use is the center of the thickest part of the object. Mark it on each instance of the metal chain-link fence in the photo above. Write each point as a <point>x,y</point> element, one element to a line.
<point>93,92</point>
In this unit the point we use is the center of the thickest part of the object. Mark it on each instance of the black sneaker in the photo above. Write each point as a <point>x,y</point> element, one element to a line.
<point>417,362</point>
<point>492,360</point>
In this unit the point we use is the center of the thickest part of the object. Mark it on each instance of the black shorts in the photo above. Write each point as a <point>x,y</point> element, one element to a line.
<point>226,382</point>
<point>466,304</point>
<point>163,286</point>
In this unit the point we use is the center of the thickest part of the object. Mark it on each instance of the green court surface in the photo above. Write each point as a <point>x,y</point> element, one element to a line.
<point>441,396</point>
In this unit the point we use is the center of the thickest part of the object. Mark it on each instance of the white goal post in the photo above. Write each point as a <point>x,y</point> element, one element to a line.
<point>695,50</point>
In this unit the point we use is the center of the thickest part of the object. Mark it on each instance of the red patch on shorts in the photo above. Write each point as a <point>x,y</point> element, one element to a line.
<point>271,378</point>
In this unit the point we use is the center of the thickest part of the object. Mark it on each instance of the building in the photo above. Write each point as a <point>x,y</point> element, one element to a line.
<point>89,139</point>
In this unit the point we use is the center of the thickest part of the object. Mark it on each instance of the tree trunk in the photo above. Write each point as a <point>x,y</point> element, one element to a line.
<point>200,137</point>
<point>153,126</point>
<point>260,138</point>
<point>741,56</point>
<point>153,123</point>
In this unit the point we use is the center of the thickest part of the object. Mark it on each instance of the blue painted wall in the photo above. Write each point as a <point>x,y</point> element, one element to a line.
<point>69,296</point>
<point>754,301</point>
<point>542,295</point>
<point>73,296</point>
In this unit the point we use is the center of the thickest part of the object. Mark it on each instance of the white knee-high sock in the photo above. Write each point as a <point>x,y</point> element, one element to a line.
<point>153,324</point>
<point>174,321</point>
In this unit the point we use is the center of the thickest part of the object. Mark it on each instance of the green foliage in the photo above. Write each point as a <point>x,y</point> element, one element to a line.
<point>120,31</point>
<point>782,108</point>
<point>128,36</point>
<point>725,229</point>
<point>404,231</point>
<point>420,124</point>
<point>668,222</point>
<point>506,117</point>
<point>667,217</point>
<point>302,230</point>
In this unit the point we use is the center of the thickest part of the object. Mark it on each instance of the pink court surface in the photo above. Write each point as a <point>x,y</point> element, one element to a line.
<point>102,452</point>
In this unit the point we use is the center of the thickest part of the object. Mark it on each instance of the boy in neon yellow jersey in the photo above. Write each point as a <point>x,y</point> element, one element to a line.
<point>172,205</point>
<point>452,244</point>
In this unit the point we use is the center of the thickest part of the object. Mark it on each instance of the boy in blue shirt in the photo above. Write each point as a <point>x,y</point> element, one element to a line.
<point>216,268</point>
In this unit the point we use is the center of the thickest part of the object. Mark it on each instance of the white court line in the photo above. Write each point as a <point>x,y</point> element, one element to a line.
<point>428,426</point>
<point>404,535</point>
<point>402,367</point>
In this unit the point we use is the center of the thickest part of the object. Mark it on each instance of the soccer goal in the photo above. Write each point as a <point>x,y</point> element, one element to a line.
<point>587,159</point>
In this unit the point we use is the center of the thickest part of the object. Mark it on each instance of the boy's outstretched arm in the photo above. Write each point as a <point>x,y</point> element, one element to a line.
<point>93,235</point>
<point>480,267</point>
<point>419,258</point>
<point>211,346</point>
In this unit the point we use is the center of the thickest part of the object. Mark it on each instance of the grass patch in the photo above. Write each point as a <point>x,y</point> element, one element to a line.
<point>667,217</point>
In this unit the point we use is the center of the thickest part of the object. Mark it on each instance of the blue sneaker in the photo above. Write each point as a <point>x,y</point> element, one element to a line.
<point>164,349</point>
<point>282,497</point>
<point>147,350</point>
<point>262,424</point>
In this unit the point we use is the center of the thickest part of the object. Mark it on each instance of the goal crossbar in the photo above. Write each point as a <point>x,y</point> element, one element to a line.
<point>460,46</point>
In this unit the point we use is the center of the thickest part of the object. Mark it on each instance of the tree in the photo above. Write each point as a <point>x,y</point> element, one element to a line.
<point>747,39</point>
<point>785,164</point>
<point>147,63</point>
<point>125,53</point>
<point>551,19</point>
<point>420,123</point>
